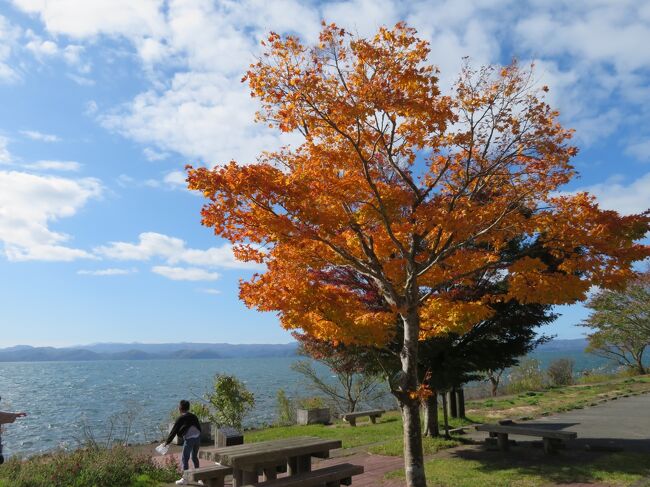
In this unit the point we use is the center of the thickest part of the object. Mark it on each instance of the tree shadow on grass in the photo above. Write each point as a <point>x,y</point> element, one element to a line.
<point>574,464</point>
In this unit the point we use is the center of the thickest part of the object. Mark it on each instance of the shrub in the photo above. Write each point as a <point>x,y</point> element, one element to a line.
<point>230,401</point>
<point>99,467</point>
<point>201,411</point>
<point>527,376</point>
<point>560,372</point>
<point>285,412</point>
<point>313,402</point>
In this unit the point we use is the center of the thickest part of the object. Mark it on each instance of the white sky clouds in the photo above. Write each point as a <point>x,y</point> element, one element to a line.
<point>185,273</point>
<point>626,198</point>
<point>173,251</point>
<point>194,52</point>
<point>202,111</point>
<point>5,155</point>
<point>40,136</point>
<point>30,203</point>
<point>91,18</point>
<point>70,166</point>
<point>640,149</point>
<point>9,35</point>
<point>106,272</point>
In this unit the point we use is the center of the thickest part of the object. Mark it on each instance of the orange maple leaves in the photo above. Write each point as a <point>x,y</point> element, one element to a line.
<point>415,192</point>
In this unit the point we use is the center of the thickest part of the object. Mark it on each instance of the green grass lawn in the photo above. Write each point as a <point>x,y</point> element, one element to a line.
<point>493,469</point>
<point>387,430</point>
<point>395,446</point>
<point>535,404</point>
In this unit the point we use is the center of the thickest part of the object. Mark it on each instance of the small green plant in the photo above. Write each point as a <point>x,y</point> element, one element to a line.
<point>285,412</point>
<point>201,411</point>
<point>313,402</point>
<point>230,401</point>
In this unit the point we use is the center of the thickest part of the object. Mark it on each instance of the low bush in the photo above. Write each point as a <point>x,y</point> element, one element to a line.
<point>314,402</point>
<point>527,376</point>
<point>97,467</point>
<point>560,372</point>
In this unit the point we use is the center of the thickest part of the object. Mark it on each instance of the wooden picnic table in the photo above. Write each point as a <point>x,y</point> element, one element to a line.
<point>250,460</point>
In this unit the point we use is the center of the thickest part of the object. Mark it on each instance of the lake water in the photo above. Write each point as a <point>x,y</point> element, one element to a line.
<point>63,397</point>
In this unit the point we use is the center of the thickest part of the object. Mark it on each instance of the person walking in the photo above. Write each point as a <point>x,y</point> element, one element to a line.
<point>188,427</point>
<point>7,418</point>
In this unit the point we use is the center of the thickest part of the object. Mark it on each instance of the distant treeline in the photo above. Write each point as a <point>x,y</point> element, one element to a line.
<point>119,351</point>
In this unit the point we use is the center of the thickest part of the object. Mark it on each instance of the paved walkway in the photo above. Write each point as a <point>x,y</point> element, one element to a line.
<point>618,424</point>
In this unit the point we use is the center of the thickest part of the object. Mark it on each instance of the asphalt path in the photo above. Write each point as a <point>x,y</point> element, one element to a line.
<point>613,425</point>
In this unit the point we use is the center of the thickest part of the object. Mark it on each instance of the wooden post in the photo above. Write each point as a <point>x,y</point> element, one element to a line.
<point>551,446</point>
<point>460,400</point>
<point>249,477</point>
<point>270,473</point>
<point>431,427</point>
<point>444,413</point>
<point>292,466</point>
<point>237,478</point>
<point>451,403</point>
<point>502,441</point>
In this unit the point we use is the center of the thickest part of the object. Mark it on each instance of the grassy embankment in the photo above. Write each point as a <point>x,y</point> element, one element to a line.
<point>97,467</point>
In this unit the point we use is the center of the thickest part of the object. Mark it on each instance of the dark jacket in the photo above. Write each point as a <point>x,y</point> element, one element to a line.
<point>182,424</point>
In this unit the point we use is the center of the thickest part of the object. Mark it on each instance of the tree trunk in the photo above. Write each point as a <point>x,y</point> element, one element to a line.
<point>460,402</point>
<point>638,356</point>
<point>495,386</point>
<point>639,366</point>
<point>451,403</point>
<point>431,427</point>
<point>444,414</point>
<point>413,454</point>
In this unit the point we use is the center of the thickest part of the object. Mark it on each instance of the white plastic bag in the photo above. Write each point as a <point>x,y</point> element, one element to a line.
<point>162,449</point>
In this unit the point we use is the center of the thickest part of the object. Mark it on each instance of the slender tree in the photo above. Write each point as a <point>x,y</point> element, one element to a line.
<point>414,190</point>
<point>357,376</point>
<point>620,323</point>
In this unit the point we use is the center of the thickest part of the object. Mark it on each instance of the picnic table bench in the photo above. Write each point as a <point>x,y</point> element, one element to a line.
<point>553,439</point>
<point>332,476</point>
<point>212,476</point>
<point>351,418</point>
<point>265,458</point>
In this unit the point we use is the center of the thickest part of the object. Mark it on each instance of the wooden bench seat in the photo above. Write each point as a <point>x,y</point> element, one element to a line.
<point>553,439</point>
<point>352,417</point>
<point>212,476</point>
<point>332,476</point>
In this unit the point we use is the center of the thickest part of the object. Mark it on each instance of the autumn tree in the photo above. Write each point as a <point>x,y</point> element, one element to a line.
<point>415,190</point>
<point>620,323</point>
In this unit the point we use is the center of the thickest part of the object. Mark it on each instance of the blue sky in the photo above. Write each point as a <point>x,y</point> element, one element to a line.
<point>103,102</point>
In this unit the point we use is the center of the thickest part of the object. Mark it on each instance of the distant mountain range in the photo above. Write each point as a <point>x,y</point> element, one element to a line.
<point>144,351</point>
<point>161,351</point>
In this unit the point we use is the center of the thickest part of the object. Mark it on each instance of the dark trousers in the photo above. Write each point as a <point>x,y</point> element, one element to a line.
<point>191,447</point>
